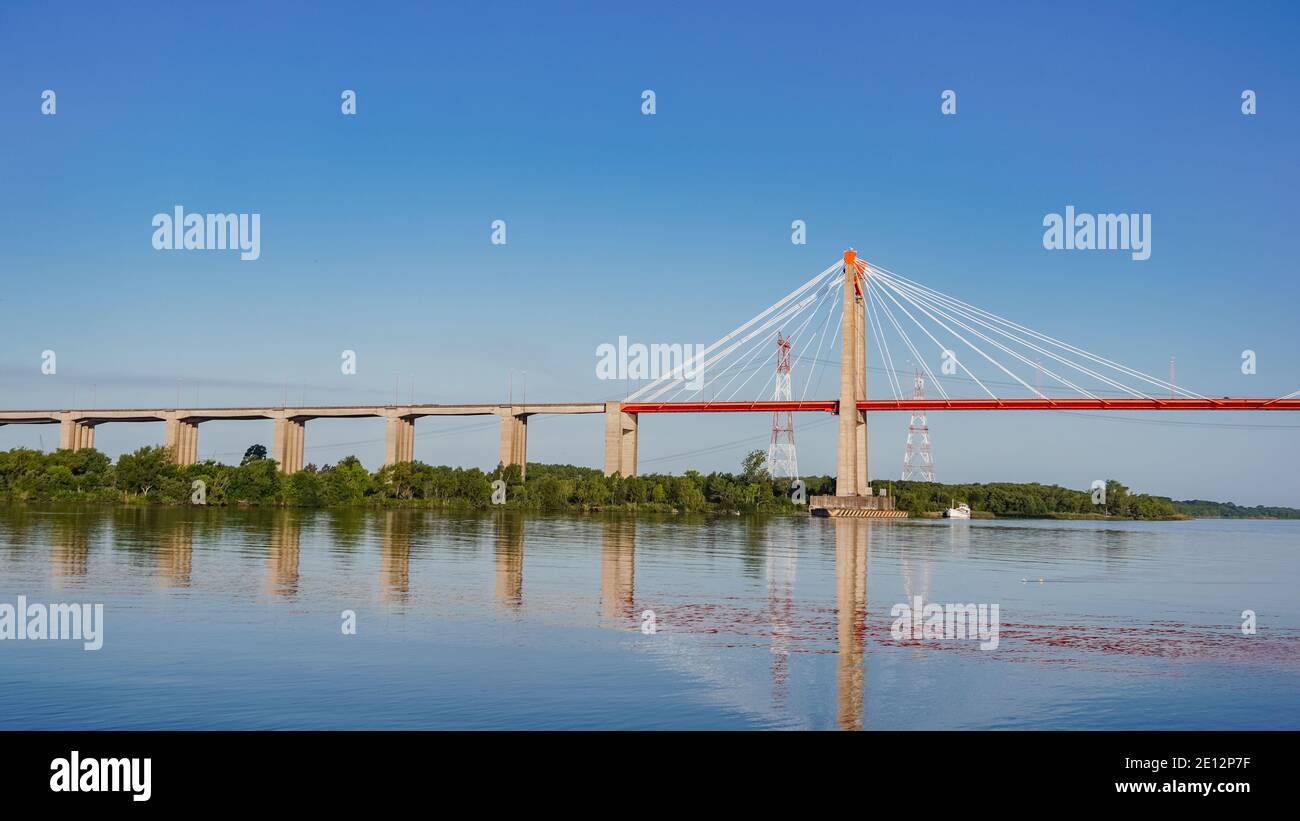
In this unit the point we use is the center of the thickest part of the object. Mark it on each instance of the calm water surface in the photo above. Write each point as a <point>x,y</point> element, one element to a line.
<point>232,619</point>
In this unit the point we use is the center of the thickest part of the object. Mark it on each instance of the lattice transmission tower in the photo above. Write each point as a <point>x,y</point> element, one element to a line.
<point>781,459</point>
<point>918,460</point>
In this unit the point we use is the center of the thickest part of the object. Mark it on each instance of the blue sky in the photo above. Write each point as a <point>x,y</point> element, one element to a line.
<point>670,228</point>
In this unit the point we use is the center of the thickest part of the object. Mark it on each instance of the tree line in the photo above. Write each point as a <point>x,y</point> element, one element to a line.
<point>1033,499</point>
<point>1202,509</point>
<point>149,476</point>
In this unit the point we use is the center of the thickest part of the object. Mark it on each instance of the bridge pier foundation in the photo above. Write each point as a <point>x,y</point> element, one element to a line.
<point>181,436</point>
<point>399,440</point>
<point>287,443</point>
<point>620,440</point>
<point>514,440</point>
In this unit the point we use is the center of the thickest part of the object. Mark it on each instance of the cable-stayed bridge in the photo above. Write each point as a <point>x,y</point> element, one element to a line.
<point>835,313</point>
<point>949,340</point>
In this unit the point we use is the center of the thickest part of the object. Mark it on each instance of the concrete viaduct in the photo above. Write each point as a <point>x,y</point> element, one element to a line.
<point>181,428</point>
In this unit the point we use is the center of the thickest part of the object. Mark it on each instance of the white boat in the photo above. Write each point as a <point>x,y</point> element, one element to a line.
<point>961,511</point>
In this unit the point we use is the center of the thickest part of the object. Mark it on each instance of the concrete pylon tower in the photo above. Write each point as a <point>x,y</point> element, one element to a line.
<point>851,461</point>
<point>918,460</point>
<point>781,459</point>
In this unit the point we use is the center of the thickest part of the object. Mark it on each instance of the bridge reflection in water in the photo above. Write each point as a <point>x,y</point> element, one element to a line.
<point>70,541</point>
<point>175,557</point>
<point>282,554</point>
<point>762,622</point>
<point>395,558</point>
<point>782,563</point>
<point>617,592</point>
<point>618,572</point>
<point>509,559</point>
<point>619,609</point>
<point>164,541</point>
<point>852,539</point>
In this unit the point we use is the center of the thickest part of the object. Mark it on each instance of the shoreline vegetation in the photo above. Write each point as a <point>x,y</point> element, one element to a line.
<point>149,477</point>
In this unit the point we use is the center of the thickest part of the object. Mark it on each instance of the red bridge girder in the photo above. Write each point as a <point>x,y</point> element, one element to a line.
<point>831,406</point>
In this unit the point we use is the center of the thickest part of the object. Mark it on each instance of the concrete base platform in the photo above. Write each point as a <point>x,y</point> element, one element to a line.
<point>860,513</point>
<point>858,507</point>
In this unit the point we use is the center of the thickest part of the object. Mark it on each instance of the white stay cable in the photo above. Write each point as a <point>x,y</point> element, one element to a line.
<point>878,332</point>
<point>834,335</point>
<point>724,340</point>
<point>942,348</point>
<point>746,359</point>
<point>951,318</point>
<point>772,371</point>
<point>964,340</point>
<point>921,306</point>
<point>743,360</point>
<point>816,356</point>
<point>677,379</point>
<point>1050,354</point>
<point>763,344</point>
<point>1043,337</point>
<point>916,355</point>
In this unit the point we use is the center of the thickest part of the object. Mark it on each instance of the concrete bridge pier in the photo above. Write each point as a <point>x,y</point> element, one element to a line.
<point>514,439</point>
<point>75,434</point>
<point>620,440</point>
<point>287,442</point>
<point>182,437</point>
<point>399,440</point>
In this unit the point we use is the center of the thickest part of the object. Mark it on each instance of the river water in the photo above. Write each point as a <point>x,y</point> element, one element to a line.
<point>218,618</point>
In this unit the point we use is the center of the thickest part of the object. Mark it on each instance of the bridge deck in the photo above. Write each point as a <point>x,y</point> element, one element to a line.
<point>156,414</point>
<point>829,406</point>
<point>97,415</point>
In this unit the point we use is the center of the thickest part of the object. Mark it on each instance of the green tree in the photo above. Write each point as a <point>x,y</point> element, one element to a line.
<point>90,468</point>
<point>256,482</point>
<point>593,492</point>
<point>689,495</point>
<point>21,473</point>
<point>550,493</point>
<point>754,467</point>
<point>1116,498</point>
<point>347,483</point>
<point>305,489</point>
<point>253,453</point>
<point>142,471</point>
<point>404,480</point>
